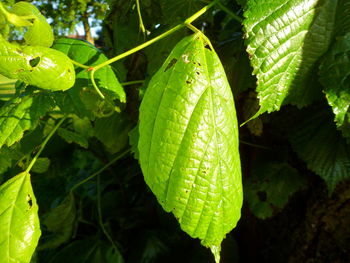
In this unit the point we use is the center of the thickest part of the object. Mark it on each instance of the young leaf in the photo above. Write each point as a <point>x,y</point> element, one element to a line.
<point>317,142</point>
<point>21,114</point>
<point>41,165</point>
<point>335,77</point>
<point>87,54</point>
<point>19,221</point>
<point>38,34</point>
<point>189,142</point>
<point>285,39</point>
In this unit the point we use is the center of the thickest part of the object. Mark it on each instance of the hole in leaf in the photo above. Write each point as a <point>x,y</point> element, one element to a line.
<point>30,201</point>
<point>262,196</point>
<point>198,73</point>
<point>207,47</point>
<point>34,61</point>
<point>171,64</point>
<point>188,81</point>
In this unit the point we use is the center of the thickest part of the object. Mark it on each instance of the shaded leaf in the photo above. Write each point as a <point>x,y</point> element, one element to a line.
<point>60,222</point>
<point>19,222</point>
<point>41,165</point>
<point>7,88</point>
<point>335,77</point>
<point>134,141</point>
<point>270,186</point>
<point>21,114</point>
<point>285,39</point>
<point>189,143</point>
<point>317,142</point>
<point>71,136</point>
<point>113,131</point>
<point>85,53</point>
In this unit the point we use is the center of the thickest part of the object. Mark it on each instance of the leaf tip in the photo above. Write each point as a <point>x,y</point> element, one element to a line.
<point>216,252</point>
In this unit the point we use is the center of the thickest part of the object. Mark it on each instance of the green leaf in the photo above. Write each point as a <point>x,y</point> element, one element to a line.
<point>21,114</point>
<point>60,222</point>
<point>7,88</point>
<point>285,39</point>
<point>87,54</point>
<point>71,136</point>
<point>189,142</point>
<point>42,67</point>
<point>41,165</point>
<point>335,77</point>
<point>270,186</point>
<point>40,33</point>
<point>113,131</point>
<point>178,11</point>
<point>343,18</point>
<point>19,222</point>
<point>317,142</point>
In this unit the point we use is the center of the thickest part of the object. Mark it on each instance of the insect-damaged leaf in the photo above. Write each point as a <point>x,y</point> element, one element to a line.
<point>19,222</point>
<point>189,142</point>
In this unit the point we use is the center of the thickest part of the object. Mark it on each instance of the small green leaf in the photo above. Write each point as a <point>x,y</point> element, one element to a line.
<point>285,39</point>
<point>134,141</point>
<point>41,165</point>
<point>19,221</point>
<point>38,34</point>
<point>189,142</point>
<point>87,54</point>
<point>317,142</point>
<point>21,114</point>
<point>335,77</point>
<point>60,222</point>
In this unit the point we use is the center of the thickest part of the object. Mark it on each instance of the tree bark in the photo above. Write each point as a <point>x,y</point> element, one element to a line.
<point>87,29</point>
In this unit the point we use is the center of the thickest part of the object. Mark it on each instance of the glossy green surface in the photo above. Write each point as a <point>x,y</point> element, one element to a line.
<point>40,32</point>
<point>189,142</point>
<point>284,40</point>
<point>38,66</point>
<point>19,222</point>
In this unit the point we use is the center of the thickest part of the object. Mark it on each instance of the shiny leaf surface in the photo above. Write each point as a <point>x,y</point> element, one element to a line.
<point>189,142</point>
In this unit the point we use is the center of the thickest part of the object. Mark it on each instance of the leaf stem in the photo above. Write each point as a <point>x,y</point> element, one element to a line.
<point>101,170</point>
<point>142,26</point>
<point>148,43</point>
<point>79,64</point>
<point>229,12</point>
<point>43,144</point>
<point>134,82</point>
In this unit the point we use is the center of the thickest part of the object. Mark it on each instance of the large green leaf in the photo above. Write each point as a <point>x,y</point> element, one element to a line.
<point>335,76</point>
<point>85,53</point>
<point>21,114</point>
<point>285,39</point>
<point>40,33</point>
<point>317,141</point>
<point>178,11</point>
<point>189,142</point>
<point>19,222</point>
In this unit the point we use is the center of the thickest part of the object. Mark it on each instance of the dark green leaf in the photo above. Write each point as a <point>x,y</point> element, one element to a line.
<point>87,54</point>
<point>134,141</point>
<point>189,142</point>
<point>317,142</point>
<point>285,39</point>
<point>19,221</point>
<point>21,114</point>
<point>60,222</point>
<point>335,77</point>
<point>41,165</point>
<point>270,186</point>
<point>71,136</point>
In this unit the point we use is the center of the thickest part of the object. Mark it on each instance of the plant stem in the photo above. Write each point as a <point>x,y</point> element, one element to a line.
<point>142,26</point>
<point>99,211</point>
<point>150,42</point>
<point>79,64</point>
<point>134,82</point>
<point>42,146</point>
<point>229,12</point>
<point>101,170</point>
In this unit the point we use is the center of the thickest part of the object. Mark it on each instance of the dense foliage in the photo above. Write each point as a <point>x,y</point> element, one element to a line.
<point>89,146</point>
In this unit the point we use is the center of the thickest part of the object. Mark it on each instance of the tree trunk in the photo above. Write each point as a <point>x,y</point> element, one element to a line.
<point>87,29</point>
